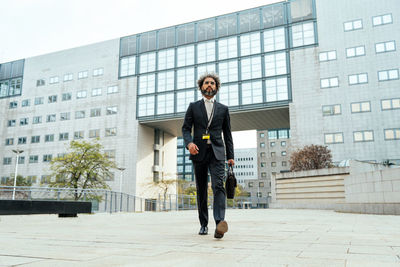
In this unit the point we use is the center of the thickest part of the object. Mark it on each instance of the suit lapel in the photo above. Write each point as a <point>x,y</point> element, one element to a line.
<point>204,111</point>
<point>215,112</point>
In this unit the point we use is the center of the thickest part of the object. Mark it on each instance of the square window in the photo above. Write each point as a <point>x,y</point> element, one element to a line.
<point>49,138</point>
<point>78,135</point>
<point>112,90</point>
<point>39,100</point>
<point>81,94</point>
<point>66,96</point>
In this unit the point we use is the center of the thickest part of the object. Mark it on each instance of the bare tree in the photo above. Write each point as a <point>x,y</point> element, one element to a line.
<point>310,158</point>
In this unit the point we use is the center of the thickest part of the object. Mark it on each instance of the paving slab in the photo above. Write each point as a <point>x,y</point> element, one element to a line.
<point>258,237</point>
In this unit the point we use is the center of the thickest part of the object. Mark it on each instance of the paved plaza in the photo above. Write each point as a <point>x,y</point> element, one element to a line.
<point>264,237</point>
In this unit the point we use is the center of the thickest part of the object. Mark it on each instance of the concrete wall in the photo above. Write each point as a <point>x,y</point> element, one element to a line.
<point>319,189</point>
<point>379,185</point>
<point>361,188</point>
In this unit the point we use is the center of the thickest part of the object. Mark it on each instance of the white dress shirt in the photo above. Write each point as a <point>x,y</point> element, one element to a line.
<point>209,104</point>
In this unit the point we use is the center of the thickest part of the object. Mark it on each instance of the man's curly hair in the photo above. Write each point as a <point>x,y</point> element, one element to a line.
<point>212,75</point>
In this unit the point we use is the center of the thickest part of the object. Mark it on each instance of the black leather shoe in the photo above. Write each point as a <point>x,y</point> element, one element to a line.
<point>222,228</point>
<point>203,230</point>
<point>218,235</point>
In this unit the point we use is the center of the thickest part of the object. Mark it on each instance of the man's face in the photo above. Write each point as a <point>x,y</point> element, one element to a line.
<point>209,86</point>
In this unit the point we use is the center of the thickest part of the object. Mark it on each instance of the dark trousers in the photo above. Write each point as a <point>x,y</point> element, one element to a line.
<point>217,172</point>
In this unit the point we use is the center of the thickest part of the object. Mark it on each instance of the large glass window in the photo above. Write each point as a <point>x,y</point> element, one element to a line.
<point>185,55</point>
<point>127,66</point>
<point>249,20</point>
<point>166,59</point>
<point>147,84</point>
<point>147,62</point>
<point>165,103</point>
<point>185,78</point>
<point>303,34</point>
<point>147,41</point>
<point>227,48</point>
<point>275,64</point>
<point>128,45</point>
<point>252,92</point>
<point>206,52</point>
<point>228,71</point>
<point>183,100</point>
<point>274,40</point>
<point>300,10</point>
<point>205,68</point>
<point>229,95</point>
<point>273,15</point>
<point>166,38</point>
<point>227,25</point>
<point>10,87</point>
<point>250,44</point>
<point>251,68</point>
<point>165,81</point>
<point>146,105</point>
<point>205,30</point>
<point>185,34</point>
<point>277,89</point>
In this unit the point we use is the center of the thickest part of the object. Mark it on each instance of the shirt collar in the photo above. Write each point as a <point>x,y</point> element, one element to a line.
<point>209,101</point>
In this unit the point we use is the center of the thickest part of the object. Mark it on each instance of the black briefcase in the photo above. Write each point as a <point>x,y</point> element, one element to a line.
<point>230,184</point>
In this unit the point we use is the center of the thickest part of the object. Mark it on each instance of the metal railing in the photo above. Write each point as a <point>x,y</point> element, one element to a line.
<point>111,201</point>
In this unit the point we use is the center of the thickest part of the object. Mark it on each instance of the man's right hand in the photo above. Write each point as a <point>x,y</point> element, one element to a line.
<point>193,149</point>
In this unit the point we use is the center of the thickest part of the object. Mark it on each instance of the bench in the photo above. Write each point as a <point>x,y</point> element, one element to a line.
<point>62,208</point>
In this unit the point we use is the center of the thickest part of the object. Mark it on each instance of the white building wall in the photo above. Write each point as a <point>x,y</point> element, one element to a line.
<point>245,164</point>
<point>307,122</point>
<point>101,55</point>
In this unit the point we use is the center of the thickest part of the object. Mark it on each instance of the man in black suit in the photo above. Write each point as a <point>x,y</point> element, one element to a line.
<point>207,150</point>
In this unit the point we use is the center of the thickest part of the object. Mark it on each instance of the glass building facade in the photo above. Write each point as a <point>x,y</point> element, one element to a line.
<point>184,165</point>
<point>248,49</point>
<point>11,75</point>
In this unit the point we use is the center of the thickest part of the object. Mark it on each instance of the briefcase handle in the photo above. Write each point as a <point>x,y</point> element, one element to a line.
<point>230,168</point>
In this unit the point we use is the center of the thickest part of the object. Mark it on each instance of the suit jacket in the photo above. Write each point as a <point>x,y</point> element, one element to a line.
<point>196,117</point>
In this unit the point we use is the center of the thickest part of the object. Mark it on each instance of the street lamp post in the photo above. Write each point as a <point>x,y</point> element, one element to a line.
<point>120,178</point>
<point>16,151</point>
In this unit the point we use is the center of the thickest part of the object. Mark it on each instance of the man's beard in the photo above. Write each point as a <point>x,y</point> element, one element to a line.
<point>209,93</point>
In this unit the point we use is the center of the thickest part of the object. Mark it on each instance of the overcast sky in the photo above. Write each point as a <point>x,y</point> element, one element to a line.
<point>34,27</point>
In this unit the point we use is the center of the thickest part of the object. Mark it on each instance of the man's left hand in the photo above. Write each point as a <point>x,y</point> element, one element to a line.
<point>231,162</point>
